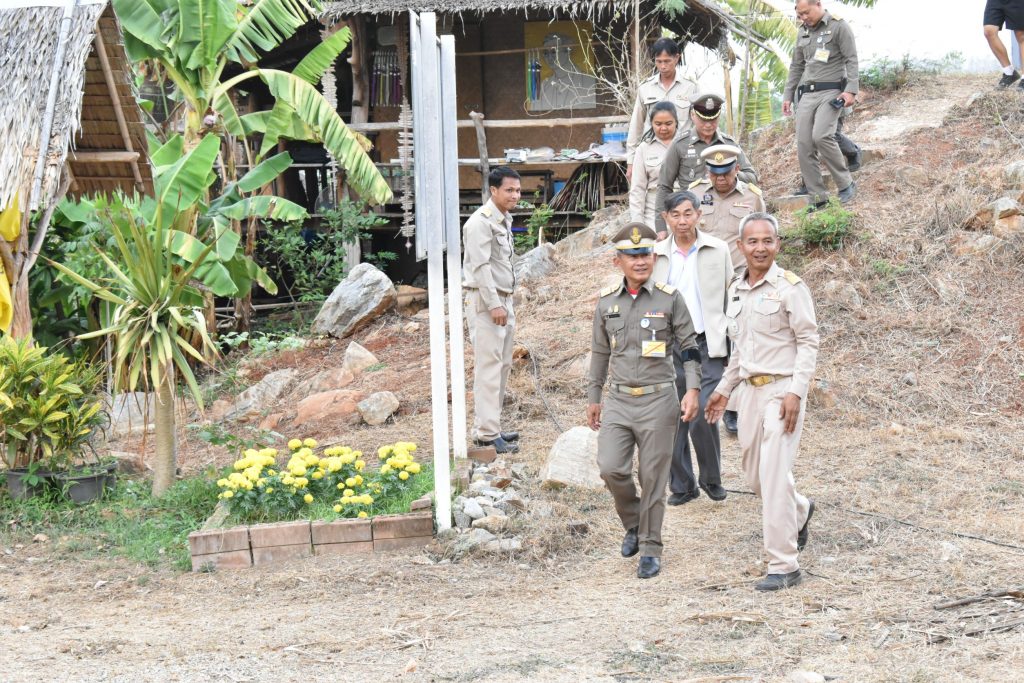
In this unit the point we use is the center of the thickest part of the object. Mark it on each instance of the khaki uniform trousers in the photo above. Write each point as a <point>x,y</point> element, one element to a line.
<point>647,423</point>
<point>768,455</point>
<point>816,122</point>
<point>492,363</point>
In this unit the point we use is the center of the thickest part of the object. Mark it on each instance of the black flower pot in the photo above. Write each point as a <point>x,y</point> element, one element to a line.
<point>20,485</point>
<point>83,488</point>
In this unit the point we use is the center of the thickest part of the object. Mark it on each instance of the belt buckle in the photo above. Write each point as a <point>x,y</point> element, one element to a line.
<point>636,391</point>
<point>761,380</point>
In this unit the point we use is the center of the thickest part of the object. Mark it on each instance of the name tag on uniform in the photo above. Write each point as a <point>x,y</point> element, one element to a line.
<point>653,349</point>
<point>691,152</point>
<point>654,314</point>
<point>821,55</point>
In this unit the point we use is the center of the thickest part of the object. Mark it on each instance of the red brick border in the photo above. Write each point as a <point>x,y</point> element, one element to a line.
<point>263,544</point>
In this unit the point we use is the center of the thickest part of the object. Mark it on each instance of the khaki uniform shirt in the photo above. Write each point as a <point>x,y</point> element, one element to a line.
<point>682,166</point>
<point>721,215</point>
<point>487,264</point>
<point>626,350</point>
<point>825,53</point>
<point>773,330</point>
<point>643,184</point>
<point>650,93</point>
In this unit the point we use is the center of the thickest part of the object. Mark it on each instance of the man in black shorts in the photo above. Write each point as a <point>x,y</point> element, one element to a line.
<point>1011,13</point>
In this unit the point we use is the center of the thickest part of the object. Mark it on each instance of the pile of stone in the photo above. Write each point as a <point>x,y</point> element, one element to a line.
<point>998,221</point>
<point>485,510</point>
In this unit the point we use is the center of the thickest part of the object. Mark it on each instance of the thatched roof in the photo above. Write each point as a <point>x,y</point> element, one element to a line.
<point>106,158</point>
<point>703,22</point>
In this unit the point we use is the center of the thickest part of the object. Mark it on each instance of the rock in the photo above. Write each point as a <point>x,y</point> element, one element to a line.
<point>337,403</point>
<point>573,460</point>
<point>536,263</point>
<point>473,509</point>
<point>492,523</point>
<point>501,477</point>
<point>263,394</point>
<point>871,154</point>
<point>519,470</point>
<point>334,378</point>
<point>799,676</point>
<point>411,327</point>
<point>1013,174</point>
<point>490,511</point>
<point>357,359</point>
<point>218,410</point>
<point>910,379</point>
<point>504,545</point>
<point>842,294</point>
<point>411,300</point>
<point>577,245</point>
<point>132,413</point>
<point>1004,207</point>
<point>788,203</point>
<point>606,223</point>
<point>972,99</point>
<point>358,299</point>
<point>820,395</point>
<point>1009,227</point>
<point>127,463</point>
<point>462,520</point>
<point>547,293</point>
<point>513,500</point>
<point>579,367</point>
<point>473,540</point>
<point>270,422</point>
<point>378,407</point>
<point>980,245</point>
<point>480,484</point>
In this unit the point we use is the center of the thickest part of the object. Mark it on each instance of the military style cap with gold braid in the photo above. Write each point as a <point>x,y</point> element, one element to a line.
<point>707,106</point>
<point>635,238</point>
<point>720,158</point>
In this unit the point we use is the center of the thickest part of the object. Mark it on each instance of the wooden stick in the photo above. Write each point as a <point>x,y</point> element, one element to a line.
<point>500,123</point>
<point>115,100</point>
<point>100,156</point>
<point>999,593</point>
<point>998,626</point>
<point>481,144</point>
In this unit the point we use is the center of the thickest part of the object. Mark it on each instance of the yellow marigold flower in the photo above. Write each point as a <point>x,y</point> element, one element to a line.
<point>287,480</point>
<point>350,482</point>
<point>341,485</point>
<point>413,467</point>
<point>337,508</point>
<point>270,452</point>
<point>222,482</point>
<point>250,452</point>
<point>360,464</point>
<point>403,475</point>
<point>309,443</point>
<point>358,479</point>
<point>271,473</point>
<point>318,475</point>
<point>270,489</point>
<point>366,499</point>
<point>345,500</point>
<point>308,498</point>
<point>295,444</point>
<point>383,452</point>
<point>228,494</point>
<point>385,469</point>
<point>347,458</point>
<point>348,492</point>
<point>301,482</point>
<point>362,514</point>
<point>298,470</point>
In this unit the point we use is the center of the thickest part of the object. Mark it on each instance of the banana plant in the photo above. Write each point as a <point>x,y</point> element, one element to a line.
<point>193,41</point>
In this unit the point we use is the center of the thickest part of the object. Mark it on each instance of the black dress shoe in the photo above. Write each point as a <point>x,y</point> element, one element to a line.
<point>510,436</point>
<point>715,491</point>
<point>848,193</point>
<point>774,582</point>
<point>649,566</point>
<point>682,498</point>
<point>801,537</point>
<point>630,543</point>
<point>730,420</point>
<point>853,162</point>
<point>500,445</point>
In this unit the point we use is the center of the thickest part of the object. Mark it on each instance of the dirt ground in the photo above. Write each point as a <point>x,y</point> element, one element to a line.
<point>939,451</point>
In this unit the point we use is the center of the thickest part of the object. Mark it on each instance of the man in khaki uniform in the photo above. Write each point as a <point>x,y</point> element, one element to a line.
<point>667,85</point>
<point>683,163</point>
<point>699,266</point>
<point>489,282</point>
<point>635,324</point>
<point>775,334</point>
<point>725,199</point>
<point>823,77</point>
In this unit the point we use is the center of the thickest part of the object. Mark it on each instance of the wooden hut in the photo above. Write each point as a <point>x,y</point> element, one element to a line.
<point>69,122</point>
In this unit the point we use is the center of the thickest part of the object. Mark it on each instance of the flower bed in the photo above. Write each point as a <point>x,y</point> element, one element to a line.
<point>349,504</point>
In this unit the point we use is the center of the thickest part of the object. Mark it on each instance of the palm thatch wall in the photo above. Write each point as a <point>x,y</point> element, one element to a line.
<point>29,38</point>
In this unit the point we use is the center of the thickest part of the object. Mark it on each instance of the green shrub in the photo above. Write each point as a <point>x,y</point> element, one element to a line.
<point>889,75</point>
<point>828,227</point>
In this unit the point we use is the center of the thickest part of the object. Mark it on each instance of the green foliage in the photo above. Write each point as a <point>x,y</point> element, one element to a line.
<point>889,75</point>
<point>828,227</point>
<point>886,270</point>
<point>262,344</point>
<point>48,410</point>
<point>311,264</point>
<point>535,224</point>
<point>128,521</point>
<point>217,434</point>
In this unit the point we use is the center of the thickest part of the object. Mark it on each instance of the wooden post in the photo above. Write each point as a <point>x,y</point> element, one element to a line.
<point>485,164</point>
<point>360,91</point>
<point>730,120</point>
<point>115,101</point>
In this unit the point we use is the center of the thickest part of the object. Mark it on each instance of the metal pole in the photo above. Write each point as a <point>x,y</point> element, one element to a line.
<point>428,151</point>
<point>450,159</point>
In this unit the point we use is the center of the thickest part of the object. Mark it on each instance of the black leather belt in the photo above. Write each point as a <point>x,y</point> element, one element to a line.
<point>820,85</point>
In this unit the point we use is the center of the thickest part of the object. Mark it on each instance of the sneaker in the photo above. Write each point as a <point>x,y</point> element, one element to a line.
<point>847,194</point>
<point>774,582</point>
<point>1007,80</point>
<point>853,162</point>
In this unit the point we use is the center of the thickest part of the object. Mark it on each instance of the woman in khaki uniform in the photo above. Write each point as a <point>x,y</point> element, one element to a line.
<point>643,185</point>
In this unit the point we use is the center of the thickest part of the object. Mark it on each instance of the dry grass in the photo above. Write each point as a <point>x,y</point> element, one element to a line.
<point>942,453</point>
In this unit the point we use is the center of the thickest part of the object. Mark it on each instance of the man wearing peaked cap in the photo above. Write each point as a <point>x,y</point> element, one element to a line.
<point>635,323</point>
<point>683,163</point>
<point>724,198</point>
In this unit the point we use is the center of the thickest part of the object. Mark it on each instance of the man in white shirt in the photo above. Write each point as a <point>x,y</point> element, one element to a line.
<point>700,267</point>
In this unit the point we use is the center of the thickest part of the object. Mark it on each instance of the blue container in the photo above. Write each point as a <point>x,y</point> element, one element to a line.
<point>614,134</point>
<point>557,186</point>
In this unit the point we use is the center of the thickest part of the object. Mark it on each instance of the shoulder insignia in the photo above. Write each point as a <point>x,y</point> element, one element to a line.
<point>755,189</point>
<point>697,182</point>
<point>486,212</point>
<point>791,277</point>
<point>608,291</point>
<point>665,287</point>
